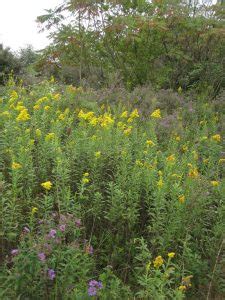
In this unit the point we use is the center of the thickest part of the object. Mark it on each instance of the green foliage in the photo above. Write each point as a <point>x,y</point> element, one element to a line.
<point>8,63</point>
<point>166,43</point>
<point>133,198</point>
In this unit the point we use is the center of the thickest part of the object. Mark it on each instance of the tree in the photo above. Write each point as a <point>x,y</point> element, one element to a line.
<point>169,43</point>
<point>8,63</point>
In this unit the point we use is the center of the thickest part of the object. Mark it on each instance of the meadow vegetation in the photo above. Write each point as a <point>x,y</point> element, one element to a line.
<point>110,200</point>
<point>112,156</point>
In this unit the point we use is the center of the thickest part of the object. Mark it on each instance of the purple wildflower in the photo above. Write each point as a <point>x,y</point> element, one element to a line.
<point>62,227</point>
<point>91,250</point>
<point>88,248</point>
<point>93,283</point>
<point>100,285</point>
<point>14,252</point>
<point>92,291</point>
<point>52,233</point>
<point>26,229</point>
<point>78,222</point>
<point>51,274</point>
<point>41,256</point>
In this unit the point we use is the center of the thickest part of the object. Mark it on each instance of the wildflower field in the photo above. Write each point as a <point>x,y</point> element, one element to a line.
<point>110,201</point>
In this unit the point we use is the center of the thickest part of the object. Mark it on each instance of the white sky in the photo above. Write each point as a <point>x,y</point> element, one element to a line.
<point>17,22</point>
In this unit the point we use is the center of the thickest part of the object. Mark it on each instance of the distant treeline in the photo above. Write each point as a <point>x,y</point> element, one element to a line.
<point>165,43</point>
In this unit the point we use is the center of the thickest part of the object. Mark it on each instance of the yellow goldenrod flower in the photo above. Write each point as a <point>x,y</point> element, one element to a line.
<point>85,180</point>
<point>181,199</point>
<point>124,114</point>
<point>106,120</point>
<point>193,173</point>
<point>182,288</point>
<point>47,185</point>
<point>214,183</point>
<point>148,266</point>
<point>34,210</point>
<point>41,100</point>
<point>158,262</point>
<point>150,143</point>
<point>97,154</point>
<point>61,117</point>
<point>16,166</point>
<point>216,137</point>
<point>221,160</point>
<point>121,125</point>
<point>187,280</point>
<point>56,96</point>
<point>36,107</point>
<point>20,107</point>
<point>86,116</point>
<point>13,97</point>
<point>205,160</point>
<point>156,114</point>
<point>171,158</point>
<point>171,254</point>
<point>47,107</point>
<point>177,138</point>
<point>38,132</point>
<point>23,115</point>
<point>134,114</point>
<point>127,131</point>
<point>203,122</point>
<point>50,136</point>
<point>160,183</point>
<point>184,148</point>
<point>93,121</point>
<point>139,163</point>
<point>195,154</point>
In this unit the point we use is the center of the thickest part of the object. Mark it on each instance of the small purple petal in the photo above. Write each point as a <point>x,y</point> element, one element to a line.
<point>26,230</point>
<point>51,274</point>
<point>14,252</point>
<point>93,283</point>
<point>92,291</point>
<point>41,256</point>
<point>100,285</point>
<point>62,228</point>
<point>78,222</point>
<point>52,233</point>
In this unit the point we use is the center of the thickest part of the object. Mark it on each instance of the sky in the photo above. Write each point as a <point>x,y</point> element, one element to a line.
<point>17,23</point>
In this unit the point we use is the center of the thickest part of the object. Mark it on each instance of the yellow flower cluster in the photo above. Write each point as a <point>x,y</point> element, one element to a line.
<point>216,137</point>
<point>193,173</point>
<point>158,262</point>
<point>47,185</point>
<point>181,199</point>
<point>16,166</point>
<point>104,120</point>
<point>85,178</point>
<point>214,183</point>
<point>171,158</point>
<point>23,115</point>
<point>156,114</point>
<point>50,136</point>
